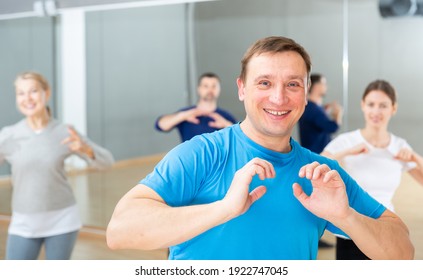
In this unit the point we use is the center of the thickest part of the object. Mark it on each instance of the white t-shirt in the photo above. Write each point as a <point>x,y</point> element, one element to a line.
<point>377,171</point>
<point>43,224</point>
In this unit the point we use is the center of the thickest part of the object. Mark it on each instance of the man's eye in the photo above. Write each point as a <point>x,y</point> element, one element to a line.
<point>265,83</point>
<point>293,84</point>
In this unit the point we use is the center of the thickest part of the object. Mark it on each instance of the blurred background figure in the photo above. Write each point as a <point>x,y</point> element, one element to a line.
<point>319,121</point>
<point>44,210</point>
<point>373,156</point>
<point>203,117</point>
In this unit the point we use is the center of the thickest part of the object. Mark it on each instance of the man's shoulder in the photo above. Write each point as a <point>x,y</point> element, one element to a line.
<point>217,136</point>
<point>220,109</point>
<point>206,146</point>
<point>210,136</point>
<point>311,104</point>
<point>311,111</point>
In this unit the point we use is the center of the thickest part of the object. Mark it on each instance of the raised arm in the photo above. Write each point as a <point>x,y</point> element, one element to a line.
<point>168,122</point>
<point>408,155</point>
<point>336,112</point>
<point>339,156</point>
<point>320,119</point>
<point>142,220</point>
<point>96,156</point>
<point>219,121</point>
<point>383,238</point>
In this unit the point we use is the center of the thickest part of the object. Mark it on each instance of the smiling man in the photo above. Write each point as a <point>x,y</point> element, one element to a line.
<point>204,200</point>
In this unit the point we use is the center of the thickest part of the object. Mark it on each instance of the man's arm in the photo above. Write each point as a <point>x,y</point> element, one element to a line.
<point>168,122</point>
<point>320,119</point>
<point>336,112</point>
<point>383,238</point>
<point>219,121</point>
<point>142,220</point>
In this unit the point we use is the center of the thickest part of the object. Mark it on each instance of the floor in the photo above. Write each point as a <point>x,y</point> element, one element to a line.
<point>98,192</point>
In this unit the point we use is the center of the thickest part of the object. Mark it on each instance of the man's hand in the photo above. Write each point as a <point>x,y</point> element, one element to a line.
<point>238,198</point>
<point>192,115</point>
<point>335,111</point>
<point>328,199</point>
<point>218,121</point>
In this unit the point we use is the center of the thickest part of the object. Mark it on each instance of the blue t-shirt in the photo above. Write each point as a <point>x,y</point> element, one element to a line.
<point>276,226</point>
<point>316,128</point>
<point>187,130</point>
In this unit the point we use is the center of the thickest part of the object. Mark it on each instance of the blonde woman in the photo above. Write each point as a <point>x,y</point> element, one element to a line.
<point>373,156</point>
<point>44,210</point>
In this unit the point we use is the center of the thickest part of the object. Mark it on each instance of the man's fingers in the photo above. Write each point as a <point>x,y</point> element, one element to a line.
<point>214,124</point>
<point>316,171</point>
<point>257,170</point>
<point>194,120</point>
<point>269,171</point>
<point>299,193</point>
<point>307,170</point>
<point>332,174</point>
<point>262,169</point>
<point>213,115</point>
<point>257,193</point>
<point>319,171</point>
<point>257,166</point>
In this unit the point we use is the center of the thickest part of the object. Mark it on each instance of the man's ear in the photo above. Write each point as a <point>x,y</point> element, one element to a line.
<point>241,89</point>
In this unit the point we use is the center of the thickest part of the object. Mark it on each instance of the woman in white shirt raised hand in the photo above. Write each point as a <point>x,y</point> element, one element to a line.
<point>373,156</point>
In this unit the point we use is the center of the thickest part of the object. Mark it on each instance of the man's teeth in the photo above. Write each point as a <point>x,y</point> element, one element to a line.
<point>277,113</point>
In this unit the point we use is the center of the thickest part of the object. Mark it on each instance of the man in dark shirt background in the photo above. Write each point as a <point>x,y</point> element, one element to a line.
<point>319,121</point>
<point>201,118</point>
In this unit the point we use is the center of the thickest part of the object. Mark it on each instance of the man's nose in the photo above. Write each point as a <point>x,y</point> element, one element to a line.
<point>279,95</point>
